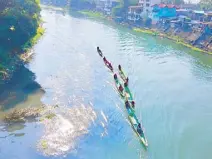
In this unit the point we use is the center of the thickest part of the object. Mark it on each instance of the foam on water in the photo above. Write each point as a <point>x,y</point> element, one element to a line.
<point>61,132</point>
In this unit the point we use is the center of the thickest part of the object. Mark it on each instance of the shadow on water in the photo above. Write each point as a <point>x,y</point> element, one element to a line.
<point>19,89</point>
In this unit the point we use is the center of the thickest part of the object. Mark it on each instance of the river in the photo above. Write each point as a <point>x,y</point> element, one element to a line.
<point>171,84</point>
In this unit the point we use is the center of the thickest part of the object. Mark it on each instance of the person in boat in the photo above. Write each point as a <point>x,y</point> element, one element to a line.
<point>125,84</point>
<point>133,104</point>
<point>104,59</point>
<point>127,104</point>
<point>99,51</point>
<point>110,66</point>
<point>115,76</point>
<point>127,80</point>
<point>108,63</point>
<point>119,67</point>
<point>121,89</point>
<point>139,129</point>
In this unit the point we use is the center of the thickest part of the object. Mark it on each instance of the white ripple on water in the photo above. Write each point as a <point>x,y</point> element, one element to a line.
<point>61,132</point>
<point>103,115</point>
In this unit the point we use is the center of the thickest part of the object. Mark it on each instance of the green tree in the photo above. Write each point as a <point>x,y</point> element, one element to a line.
<point>206,4</point>
<point>19,20</point>
<point>5,4</point>
<point>121,9</point>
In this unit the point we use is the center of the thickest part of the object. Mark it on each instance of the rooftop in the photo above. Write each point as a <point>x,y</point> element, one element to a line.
<point>198,11</point>
<point>165,5</point>
<point>208,14</point>
<point>182,10</point>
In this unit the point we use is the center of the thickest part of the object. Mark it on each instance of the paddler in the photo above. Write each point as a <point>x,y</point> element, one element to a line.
<point>104,59</point>
<point>119,68</point>
<point>133,104</point>
<point>127,104</point>
<point>125,84</point>
<point>139,130</point>
<point>108,63</point>
<point>127,80</point>
<point>99,51</point>
<point>115,76</point>
<point>110,66</point>
<point>121,89</point>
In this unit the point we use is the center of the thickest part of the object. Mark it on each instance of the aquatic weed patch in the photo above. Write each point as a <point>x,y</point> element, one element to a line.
<point>17,115</point>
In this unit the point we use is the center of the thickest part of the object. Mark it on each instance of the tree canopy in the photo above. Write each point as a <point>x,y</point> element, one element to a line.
<point>19,20</point>
<point>206,4</point>
<point>122,8</point>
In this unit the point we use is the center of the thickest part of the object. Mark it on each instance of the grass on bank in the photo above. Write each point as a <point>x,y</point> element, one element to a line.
<point>33,40</point>
<point>151,32</point>
<point>30,43</point>
<point>92,14</point>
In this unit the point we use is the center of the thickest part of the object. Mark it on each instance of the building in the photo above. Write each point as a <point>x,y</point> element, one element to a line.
<point>134,13</point>
<point>198,15</point>
<point>183,12</point>
<point>106,5</point>
<point>146,4</point>
<point>164,10</point>
<point>189,6</point>
<point>208,17</point>
<point>142,10</point>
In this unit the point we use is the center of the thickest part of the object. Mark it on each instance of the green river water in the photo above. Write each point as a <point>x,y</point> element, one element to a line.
<point>171,84</point>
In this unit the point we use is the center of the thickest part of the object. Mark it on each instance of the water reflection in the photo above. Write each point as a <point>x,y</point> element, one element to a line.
<point>21,91</point>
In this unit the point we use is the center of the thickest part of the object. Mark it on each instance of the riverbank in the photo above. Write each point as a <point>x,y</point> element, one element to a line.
<point>19,32</point>
<point>176,39</point>
<point>153,32</point>
<point>27,47</point>
<point>15,59</point>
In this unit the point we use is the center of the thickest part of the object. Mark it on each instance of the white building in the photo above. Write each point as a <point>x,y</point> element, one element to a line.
<point>134,13</point>
<point>147,6</point>
<point>105,5</point>
<point>142,10</point>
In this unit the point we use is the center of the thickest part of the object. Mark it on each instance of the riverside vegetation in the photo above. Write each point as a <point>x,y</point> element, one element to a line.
<point>20,22</point>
